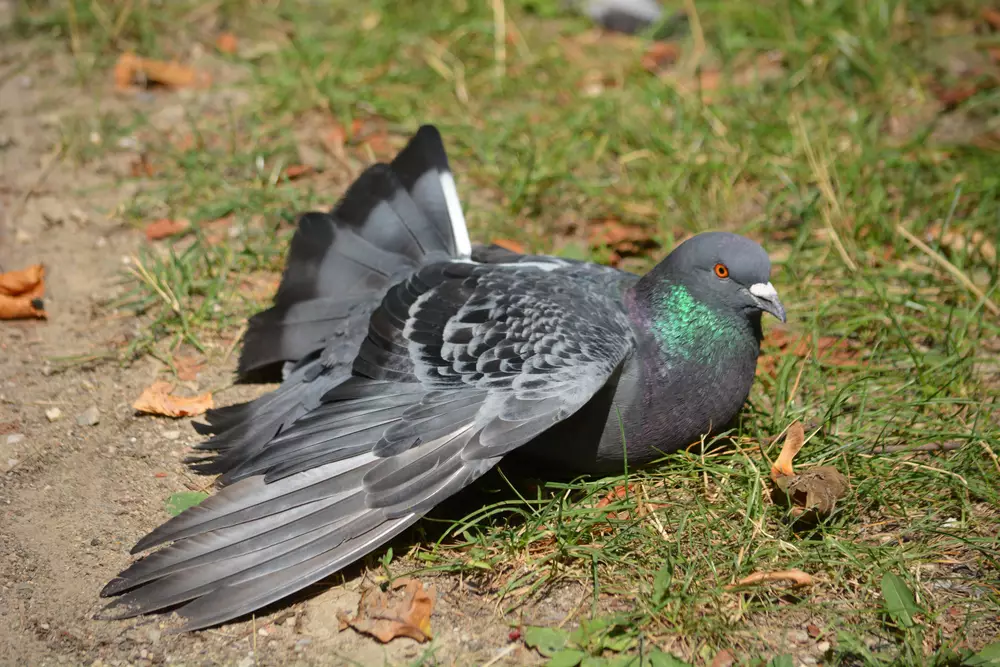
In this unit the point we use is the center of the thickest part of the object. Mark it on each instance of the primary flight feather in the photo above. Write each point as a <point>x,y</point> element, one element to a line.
<point>412,363</point>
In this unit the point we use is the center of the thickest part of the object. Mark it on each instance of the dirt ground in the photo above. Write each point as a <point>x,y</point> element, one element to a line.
<point>74,497</point>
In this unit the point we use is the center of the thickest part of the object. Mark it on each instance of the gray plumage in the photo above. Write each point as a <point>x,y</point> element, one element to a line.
<point>412,363</point>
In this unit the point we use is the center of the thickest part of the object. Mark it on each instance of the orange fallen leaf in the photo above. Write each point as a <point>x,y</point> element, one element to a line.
<point>131,69</point>
<point>25,282</point>
<point>164,227</point>
<point>390,614</point>
<point>797,577</point>
<point>20,307</point>
<point>294,171</point>
<point>157,400</point>
<point>188,367</point>
<point>660,56</point>
<point>992,16</point>
<point>795,437</point>
<point>623,239</point>
<point>507,244</point>
<point>226,43</point>
<point>21,293</point>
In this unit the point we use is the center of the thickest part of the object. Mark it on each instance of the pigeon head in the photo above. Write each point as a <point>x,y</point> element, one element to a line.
<point>726,271</point>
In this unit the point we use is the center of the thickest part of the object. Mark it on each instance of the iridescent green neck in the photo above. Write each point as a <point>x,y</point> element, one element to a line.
<point>686,328</point>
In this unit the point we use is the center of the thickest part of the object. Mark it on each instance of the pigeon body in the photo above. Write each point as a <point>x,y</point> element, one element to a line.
<point>413,362</point>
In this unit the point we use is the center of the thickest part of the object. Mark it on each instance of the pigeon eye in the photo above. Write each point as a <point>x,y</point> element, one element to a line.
<point>722,270</point>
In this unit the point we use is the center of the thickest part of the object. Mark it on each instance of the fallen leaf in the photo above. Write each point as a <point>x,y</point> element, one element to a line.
<point>141,166</point>
<point>157,400</point>
<point>394,613</point>
<point>781,341</point>
<point>226,43</point>
<point>813,630</point>
<point>795,437</point>
<point>184,500</point>
<point>623,240</point>
<point>164,227</point>
<point>797,577</point>
<point>812,493</point>
<point>816,490</point>
<point>723,658</point>
<point>188,367</point>
<point>992,16</point>
<point>25,282</point>
<point>660,56</point>
<point>21,293</point>
<point>294,171</point>
<point>131,69</point>
<point>507,244</point>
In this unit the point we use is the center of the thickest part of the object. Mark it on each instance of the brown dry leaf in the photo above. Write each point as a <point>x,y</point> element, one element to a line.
<point>157,400</point>
<point>24,282</point>
<point>164,227</point>
<point>507,244</point>
<point>131,69</point>
<point>188,366</point>
<point>794,439</point>
<point>294,171</point>
<point>723,658</point>
<point>141,166</point>
<point>624,240</point>
<point>992,16</point>
<point>815,490</point>
<point>394,613</point>
<point>21,293</point>
<point>797,577</point>
<point>660,56</point>
<point>781,341</point>
<point>226,43</point>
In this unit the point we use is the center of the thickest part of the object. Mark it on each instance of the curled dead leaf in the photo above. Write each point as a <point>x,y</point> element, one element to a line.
<point>157,400</point>
<point>723,658</point>
<point>816,490</point>
<point>294,171</point>
<point>131,69</point>
<point>164,227</point>
<point>796,577</point>
<point>660,56</point>
<point>21,293</point>
<point>812,493</point>
<point>386,615</point>
<point>795,437</point>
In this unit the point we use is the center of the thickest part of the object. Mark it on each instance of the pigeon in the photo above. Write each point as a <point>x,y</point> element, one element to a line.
<point>627,16</point>
<point>412,362</point>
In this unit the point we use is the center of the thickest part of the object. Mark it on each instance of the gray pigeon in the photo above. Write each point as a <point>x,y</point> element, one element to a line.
<point>413,362</point>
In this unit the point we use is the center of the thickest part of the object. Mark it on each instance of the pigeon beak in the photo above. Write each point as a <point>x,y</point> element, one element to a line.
<point>767,299</point>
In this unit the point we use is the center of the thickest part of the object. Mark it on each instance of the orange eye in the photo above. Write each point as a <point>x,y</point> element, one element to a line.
<point>722,270</point>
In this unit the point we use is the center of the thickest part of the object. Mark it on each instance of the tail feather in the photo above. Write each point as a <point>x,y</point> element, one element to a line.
<point>392,219</point>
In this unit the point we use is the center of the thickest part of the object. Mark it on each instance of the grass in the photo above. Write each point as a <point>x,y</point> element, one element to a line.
<point>552,133</point>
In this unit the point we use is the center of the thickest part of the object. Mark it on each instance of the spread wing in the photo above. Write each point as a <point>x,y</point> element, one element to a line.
<point>462,363</point>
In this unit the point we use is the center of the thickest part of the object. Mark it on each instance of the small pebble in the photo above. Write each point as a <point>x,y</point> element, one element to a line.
<point>53,414</point>
<point>823,647</point>
<point>15,438</point>
<point>798,636</point>
<point>89,417</point>
<point>171,435</point>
